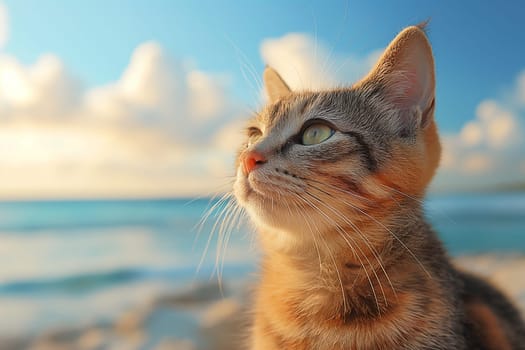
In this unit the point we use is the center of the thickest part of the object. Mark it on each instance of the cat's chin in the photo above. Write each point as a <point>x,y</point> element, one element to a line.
<point>268,209</point>
<point>255,190</point>
<point>265,206</point>
<point>277,217</point>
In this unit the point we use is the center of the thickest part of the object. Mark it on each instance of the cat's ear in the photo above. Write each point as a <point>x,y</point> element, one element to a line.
<point>274,84</point>
<point>404,77</point>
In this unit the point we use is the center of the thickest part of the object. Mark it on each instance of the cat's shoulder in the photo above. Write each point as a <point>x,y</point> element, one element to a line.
<point>492,321</point>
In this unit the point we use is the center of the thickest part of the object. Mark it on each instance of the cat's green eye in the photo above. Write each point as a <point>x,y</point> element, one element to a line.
<point>316,133</point>
<point>253,134</point>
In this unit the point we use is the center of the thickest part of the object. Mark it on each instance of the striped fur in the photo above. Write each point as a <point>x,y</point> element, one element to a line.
<point>349,260</point>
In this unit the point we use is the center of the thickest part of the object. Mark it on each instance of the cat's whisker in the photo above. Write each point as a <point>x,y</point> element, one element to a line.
<point>224,222</point>
<point>353,194</point>
<point>210,210</point>
<point>373,250</point>
<point>343,294</point>
<point>309,163</point>
<point>363,236</point>
<point>419,201</point>
<point>301,202</point>
<point>256,97</point>
<point>399,240</point>
<point>350,223</point>
<point>200,225</point>
<point>246,64</point>
<point>235,220</point>
<point>345,236</point>
<point>312,234</point>
<point>218,218</point>
<point>242,215</point>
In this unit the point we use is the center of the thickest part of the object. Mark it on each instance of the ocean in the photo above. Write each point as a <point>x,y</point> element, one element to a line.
<point>80,262</point>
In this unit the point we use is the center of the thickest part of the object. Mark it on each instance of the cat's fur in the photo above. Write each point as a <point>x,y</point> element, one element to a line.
<point>349,261</point>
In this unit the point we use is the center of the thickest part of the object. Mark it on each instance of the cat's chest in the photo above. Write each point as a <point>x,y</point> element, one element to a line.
<point>319,319</point>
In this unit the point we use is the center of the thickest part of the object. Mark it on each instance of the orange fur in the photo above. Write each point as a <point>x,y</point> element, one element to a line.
<point>286,314</point>
<point>349,261</point>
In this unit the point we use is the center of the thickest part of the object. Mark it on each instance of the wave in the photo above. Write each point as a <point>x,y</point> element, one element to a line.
<point>31,216</point>
<point>71,283</point>
<point>88,282</point>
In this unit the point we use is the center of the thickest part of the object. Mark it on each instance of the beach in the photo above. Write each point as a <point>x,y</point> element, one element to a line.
<point>210,316</point>
<point>143,275</point>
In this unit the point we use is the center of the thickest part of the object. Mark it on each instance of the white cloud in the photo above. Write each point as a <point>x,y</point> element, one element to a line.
<point>208,96</point>
<point>306,64</point>
<point>489,149</point>
<point>471,134</point>
<point>159,92</point>
<point>229,137</point>
<point>152,132</point>
<point>500,125</point>
<point>154,80</point>
<point>164,128</point>
<point>476,163</point>
<point>46,89</point>
<point>161,129</point>
<point>494,127</point>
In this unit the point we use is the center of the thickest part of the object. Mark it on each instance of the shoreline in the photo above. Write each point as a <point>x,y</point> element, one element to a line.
<point>207,315</point>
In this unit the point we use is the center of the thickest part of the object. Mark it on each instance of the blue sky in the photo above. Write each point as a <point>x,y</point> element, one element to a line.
<point>100,54</point>
<point>479,46</point>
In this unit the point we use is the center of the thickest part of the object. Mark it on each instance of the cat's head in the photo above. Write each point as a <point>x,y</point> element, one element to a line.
<point>317,158</point>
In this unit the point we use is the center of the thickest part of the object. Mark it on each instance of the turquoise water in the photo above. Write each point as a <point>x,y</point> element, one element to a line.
<point>83,261</point>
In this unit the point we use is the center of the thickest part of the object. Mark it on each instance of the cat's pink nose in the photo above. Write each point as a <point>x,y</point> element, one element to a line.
<point>252,160</point>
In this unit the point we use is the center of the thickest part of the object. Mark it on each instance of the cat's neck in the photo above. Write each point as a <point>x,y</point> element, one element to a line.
<point>327,295</point>
<point>366,241</point>
<point>366,262</point>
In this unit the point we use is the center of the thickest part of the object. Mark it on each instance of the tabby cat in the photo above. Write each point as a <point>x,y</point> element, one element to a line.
<point>334,182</point>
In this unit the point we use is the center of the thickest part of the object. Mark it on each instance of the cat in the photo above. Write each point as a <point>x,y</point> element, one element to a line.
<point>334,182</point>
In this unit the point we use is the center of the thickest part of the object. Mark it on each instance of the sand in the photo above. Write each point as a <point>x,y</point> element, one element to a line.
<point>209,317</point>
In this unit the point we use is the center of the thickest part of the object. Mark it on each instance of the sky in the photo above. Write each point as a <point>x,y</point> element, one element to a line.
<point>146,99</point>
